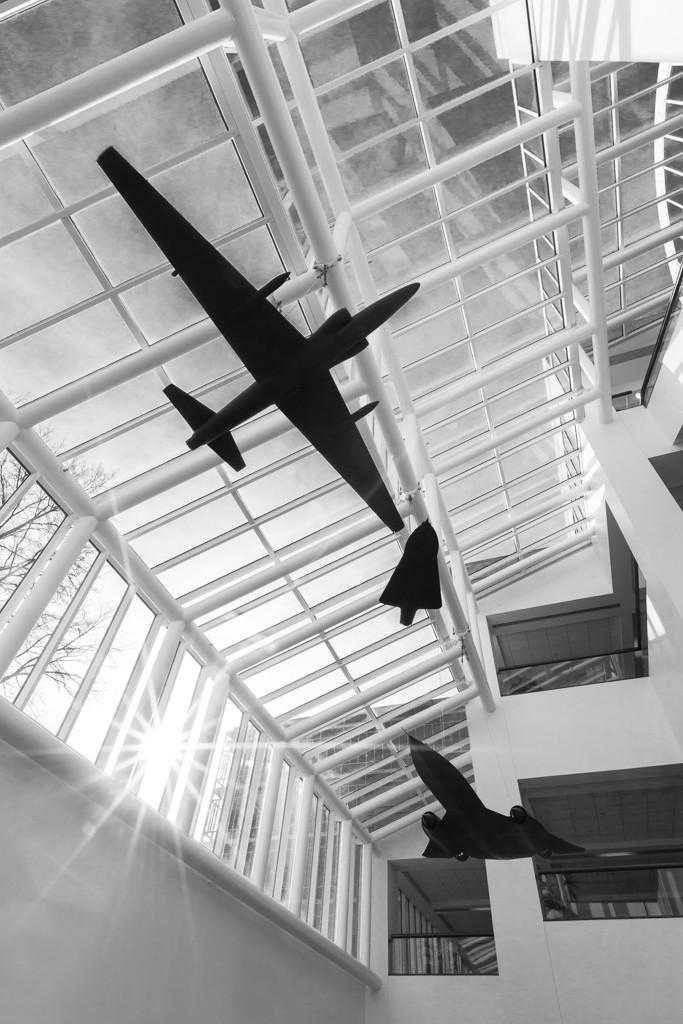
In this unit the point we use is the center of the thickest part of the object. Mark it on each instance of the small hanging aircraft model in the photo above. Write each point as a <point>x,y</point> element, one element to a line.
<point>414,582</point>
<point>289,370</point>
<point>469,828</point>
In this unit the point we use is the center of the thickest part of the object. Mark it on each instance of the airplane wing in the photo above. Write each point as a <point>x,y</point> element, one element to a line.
<point>321,414</point>
<point>449,786</point>
<point>261,337</point>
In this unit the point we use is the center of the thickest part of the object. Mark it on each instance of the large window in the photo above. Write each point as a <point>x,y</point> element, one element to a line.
<point>631,824</point>
<point>440,918</point>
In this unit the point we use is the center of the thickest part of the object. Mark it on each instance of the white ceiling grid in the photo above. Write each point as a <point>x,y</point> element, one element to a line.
<point>280,567</point>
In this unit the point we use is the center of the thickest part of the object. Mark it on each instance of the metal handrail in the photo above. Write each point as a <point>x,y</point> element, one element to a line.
<point>663,336</point>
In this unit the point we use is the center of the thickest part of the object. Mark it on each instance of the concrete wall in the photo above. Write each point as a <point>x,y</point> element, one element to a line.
<point>589,972</point>
<point>98,926</point>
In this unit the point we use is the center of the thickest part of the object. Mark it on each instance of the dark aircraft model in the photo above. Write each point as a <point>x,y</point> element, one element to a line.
<point>469,828</point>
<point>289,371</point>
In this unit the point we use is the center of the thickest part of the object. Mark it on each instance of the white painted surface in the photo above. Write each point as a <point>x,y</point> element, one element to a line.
<point>593,972</point>
<point>98,927</point>
<point>613,30</point>
<point>652,524</point>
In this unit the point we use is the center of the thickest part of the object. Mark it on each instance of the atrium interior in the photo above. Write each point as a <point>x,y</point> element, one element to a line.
<point>211,808</point>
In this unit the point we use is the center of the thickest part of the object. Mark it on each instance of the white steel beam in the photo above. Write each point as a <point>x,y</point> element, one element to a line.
<point>424,667</point>
<point>125,72</point>
<point>464,161</point>
<point>588,180</point>
<point>341,915</point>
<point>387,733</point>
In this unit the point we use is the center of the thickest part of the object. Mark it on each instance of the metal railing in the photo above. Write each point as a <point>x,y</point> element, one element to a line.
<point>669,321</point>
<point>422,953</point>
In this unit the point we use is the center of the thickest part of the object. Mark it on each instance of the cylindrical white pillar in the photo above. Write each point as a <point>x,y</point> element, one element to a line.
<point>343,877</point>
<point>265,825</point>
<point>303,822</point>
<point>364,932</point>
<point>579,76</point>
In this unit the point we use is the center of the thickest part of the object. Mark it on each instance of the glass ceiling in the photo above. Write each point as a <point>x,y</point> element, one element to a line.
<point>401,86</point>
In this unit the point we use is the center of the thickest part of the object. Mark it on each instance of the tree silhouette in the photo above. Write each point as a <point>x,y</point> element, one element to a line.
<point>29,519</point>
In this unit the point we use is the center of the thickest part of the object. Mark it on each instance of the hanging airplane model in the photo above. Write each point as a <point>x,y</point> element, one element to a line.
<point>469,828</point>
<point>289,370</point>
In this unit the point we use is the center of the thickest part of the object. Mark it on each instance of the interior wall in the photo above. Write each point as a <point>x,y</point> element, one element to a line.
<point>556,972</point>
<point>98,925</point>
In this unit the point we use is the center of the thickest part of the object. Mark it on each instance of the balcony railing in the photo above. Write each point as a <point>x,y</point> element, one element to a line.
<point>664,336</point>
<point>420,953</point>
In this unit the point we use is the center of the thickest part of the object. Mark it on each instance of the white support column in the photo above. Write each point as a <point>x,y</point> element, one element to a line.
<point>267,817</point>
<point>588,179</point>
<point>8,431</point>
<point>343,876</point>
<point>303,823</point>
<point>29,611</point>
<point>364,926</point>
<point>114,77</point>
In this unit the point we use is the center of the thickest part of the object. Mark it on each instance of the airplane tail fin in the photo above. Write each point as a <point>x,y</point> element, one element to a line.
<point>195,413</point>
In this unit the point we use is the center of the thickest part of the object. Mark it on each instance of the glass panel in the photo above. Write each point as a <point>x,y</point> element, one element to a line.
<point>49,43</point>
<point>349,45</point>
<point>101,703</point>
<point>164,746</point>
<point>57,687</point>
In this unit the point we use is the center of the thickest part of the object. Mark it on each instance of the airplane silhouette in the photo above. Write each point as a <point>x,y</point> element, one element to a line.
<point>469,828</point>
<point>289,370</point>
